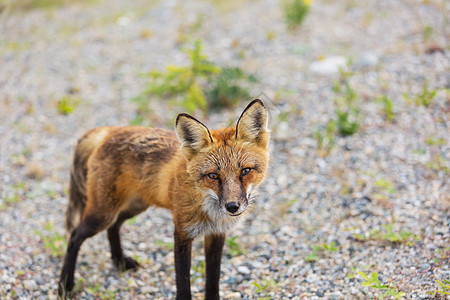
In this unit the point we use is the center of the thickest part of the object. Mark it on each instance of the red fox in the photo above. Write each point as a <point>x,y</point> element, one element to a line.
<point>205,177</point>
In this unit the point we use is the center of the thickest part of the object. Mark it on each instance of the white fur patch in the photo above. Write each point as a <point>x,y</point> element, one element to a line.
<point>220,222</point>
<point>249,190</point>
<point>211,206</point>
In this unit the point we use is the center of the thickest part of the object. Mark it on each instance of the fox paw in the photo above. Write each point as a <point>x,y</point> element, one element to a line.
<point>65,289</point>
<point>127,263</point>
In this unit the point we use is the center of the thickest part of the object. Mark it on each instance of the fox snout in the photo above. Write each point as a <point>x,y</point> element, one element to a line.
<point>235,207</point>
<point>214,205</point>
<point>232,207</point>
<point>233,196</point>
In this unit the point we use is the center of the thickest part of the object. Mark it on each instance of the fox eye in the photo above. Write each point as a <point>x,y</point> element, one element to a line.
<point>245,171</point>
<point>213,176</point>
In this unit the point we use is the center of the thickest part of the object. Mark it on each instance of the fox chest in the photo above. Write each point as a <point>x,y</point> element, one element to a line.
<point>220,226</point>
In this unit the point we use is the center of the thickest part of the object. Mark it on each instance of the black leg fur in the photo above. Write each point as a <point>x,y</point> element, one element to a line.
<point>121,262</point>
<point>87,228</point>
<point>213,255</point>
<point>183,247</point>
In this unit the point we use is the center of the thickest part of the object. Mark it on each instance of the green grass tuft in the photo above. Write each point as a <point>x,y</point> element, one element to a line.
<point>66,105</point>
<point>295,11</point>
<point>200,85</point>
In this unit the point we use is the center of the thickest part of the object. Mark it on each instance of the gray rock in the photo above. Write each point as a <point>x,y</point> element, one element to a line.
<point>368,59</point>
<point>243,270</point>
<point>30,284</point>
<point>329,65</point>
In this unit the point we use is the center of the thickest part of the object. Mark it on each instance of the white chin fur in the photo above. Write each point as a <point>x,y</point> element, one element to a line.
<point>211,206</point>
<point>221,220</point>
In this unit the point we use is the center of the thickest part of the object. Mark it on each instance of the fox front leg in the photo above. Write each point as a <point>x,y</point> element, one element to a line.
<point>182,249</point>
<point>213,255</point>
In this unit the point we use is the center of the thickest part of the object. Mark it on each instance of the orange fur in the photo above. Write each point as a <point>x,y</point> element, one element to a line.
<point>119,172</point>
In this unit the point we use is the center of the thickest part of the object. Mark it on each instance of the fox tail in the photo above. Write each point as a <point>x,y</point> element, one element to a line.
<point>78,173</point>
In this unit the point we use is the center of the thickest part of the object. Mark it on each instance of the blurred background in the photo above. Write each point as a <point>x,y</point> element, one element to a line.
<point>356,201</point>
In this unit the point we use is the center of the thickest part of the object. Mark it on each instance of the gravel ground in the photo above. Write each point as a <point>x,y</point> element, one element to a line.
<point>322,215</point>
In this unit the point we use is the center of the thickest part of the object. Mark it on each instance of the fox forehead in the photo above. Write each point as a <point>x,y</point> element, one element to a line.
<point>228,157</point>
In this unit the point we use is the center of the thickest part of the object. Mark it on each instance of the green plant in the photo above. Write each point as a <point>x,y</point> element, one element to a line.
<point>139,118</point>
<point>385,185</point>
<point>396,237</point>
<point>98,292</point>
<point>346,124</point>
<point>320,249</point>
<point>163,244</point>
<point>265,286</point>
<point>283,116</point>
<point>388,234</point>
<point>19,190</point>
<point>229,87</point>
<point>373,234</point>
<point>7,295</point>
<point>66,105</point>
<point>388,107</point>
<point>422,99</point>
<point>270,35</point>
<point>53,241</point>
<point>428,32</point>
<point>374,283</point>
<point>435,141</point>
<point>234,247</point>
<point>200,85</point>
<point>346,105</point>
<point>312,257</point>
<point>326,141</point>
<point>439,163</point>
<point>371,281</point>
<point>138,259</point>
<point>444,286</point>
<point>52,194</point>
<point>13,199</point>
<point>419,151</point>
<point>444,254</point>
<point>131,221</point>
<point>182,84</point>
<point>332,247</point>
<point>199,270</point>
<point>384,189</point>
<point>34,4</point>
<point>295,11</point>
<point>259,287</point>
<point>187,31</point>
<point>352,274</point>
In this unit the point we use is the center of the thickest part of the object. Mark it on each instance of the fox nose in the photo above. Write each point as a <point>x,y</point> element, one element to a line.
<point>232,207</point>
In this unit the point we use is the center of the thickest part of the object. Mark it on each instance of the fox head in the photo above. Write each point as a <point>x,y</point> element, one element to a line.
<point>228,163</point>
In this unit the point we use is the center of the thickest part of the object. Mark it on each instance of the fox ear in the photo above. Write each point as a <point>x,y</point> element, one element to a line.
<point>192,134</point>
<point>252,125</point>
